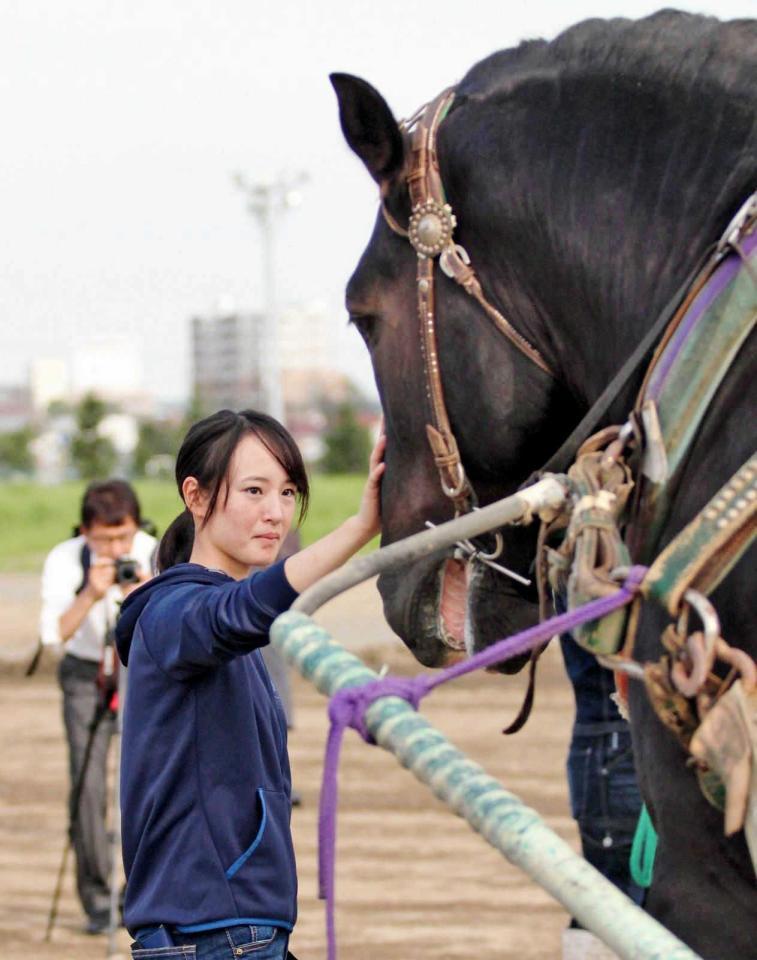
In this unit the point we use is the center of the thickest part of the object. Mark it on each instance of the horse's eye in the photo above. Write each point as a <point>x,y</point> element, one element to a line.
<point>366,326</point>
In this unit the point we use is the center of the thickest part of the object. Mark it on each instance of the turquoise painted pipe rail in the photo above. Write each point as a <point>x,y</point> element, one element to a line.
<point>498,815</point>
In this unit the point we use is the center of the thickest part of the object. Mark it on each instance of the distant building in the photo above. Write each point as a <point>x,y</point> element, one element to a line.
<point>228,358</point>
<point>306,338</point>
<point>226,361</point>
<point>122,429</point>
<point>15,408</point>
<point>49,380</point>
<point>112,368</point>
<point>51,450</point>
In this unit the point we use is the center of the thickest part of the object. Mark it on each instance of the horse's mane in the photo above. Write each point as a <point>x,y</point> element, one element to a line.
<point>683,50</point>
<point>616,153</point>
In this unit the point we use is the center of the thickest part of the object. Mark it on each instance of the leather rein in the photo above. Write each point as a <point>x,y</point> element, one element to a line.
<point>430,231</point>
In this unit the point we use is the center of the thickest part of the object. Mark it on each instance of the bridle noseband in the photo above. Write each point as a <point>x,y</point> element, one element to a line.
<point>430,231</point>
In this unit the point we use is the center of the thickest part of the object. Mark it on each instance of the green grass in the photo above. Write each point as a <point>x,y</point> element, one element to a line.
<point>34,518</point>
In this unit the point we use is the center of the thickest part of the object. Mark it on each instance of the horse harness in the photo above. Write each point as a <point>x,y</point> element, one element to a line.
<point>592,555</point>
<point>712,714</point>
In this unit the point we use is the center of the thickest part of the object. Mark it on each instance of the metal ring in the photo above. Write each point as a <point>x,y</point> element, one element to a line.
<point>707,614</point>
<point>630,667</point>
<point>454,492</point>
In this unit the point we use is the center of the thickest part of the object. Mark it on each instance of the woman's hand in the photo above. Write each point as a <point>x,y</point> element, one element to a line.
<point>369,512</point>
<point>325,555</point>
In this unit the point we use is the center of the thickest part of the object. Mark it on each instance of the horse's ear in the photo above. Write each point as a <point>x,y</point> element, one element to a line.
<point>369,126</point>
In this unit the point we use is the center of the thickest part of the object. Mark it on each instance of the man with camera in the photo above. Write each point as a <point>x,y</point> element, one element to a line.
<point>84,581</point>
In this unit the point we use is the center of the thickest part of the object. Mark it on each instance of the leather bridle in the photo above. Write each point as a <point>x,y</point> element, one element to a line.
<point>430,231</point>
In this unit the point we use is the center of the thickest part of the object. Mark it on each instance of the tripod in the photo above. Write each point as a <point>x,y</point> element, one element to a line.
<point>104,706</point>
<point>114,836</point>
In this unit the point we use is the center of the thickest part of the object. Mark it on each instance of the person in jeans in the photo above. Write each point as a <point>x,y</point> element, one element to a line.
<point>83,586</point>
<point>205,778</point>
<point>604,793</point>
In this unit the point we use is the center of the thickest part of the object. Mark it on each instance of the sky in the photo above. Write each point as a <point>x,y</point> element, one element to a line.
<point>124,121</point>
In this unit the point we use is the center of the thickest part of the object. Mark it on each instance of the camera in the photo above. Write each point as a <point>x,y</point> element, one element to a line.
<point>127,570</point>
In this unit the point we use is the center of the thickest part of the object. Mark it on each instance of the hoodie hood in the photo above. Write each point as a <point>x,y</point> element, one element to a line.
<point>135,603</point>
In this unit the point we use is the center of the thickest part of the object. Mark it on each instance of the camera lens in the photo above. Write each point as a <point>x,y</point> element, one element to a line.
<point>126,571</point>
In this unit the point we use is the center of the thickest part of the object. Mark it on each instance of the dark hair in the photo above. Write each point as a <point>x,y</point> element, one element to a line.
<point>206,454</point>
<point>110,502</point>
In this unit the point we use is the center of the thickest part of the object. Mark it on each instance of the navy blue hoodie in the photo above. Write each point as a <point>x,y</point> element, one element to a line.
<point>205,781</point>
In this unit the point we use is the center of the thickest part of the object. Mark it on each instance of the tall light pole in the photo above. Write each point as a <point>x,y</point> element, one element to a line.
<point>266,201</point>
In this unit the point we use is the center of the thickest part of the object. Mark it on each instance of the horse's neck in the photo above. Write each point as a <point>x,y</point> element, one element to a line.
<point>596,236</point>
<point>605,306</point>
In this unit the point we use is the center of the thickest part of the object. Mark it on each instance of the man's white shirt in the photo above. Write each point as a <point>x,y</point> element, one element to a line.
<point>62,576</point>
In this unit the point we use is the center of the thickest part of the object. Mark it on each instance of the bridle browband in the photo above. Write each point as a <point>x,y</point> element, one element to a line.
<point>430,231</point>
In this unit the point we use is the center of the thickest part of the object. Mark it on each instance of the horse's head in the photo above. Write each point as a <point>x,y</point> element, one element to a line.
<point>585,182</point>
<point>440,606</point>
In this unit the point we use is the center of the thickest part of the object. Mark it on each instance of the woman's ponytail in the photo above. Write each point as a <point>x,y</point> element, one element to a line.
<point>177,542</point>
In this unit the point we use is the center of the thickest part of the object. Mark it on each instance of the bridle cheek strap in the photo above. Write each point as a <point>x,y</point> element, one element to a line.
<point>440,436</point>
<point>430,231</point>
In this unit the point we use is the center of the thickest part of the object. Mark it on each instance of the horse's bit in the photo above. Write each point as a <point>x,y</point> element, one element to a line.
<point>430,231</point>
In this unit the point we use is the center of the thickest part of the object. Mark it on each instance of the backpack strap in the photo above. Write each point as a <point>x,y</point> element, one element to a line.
<point>85,558</point>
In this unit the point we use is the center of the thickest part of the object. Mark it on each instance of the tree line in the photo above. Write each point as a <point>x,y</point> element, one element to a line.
<point>92,454</point>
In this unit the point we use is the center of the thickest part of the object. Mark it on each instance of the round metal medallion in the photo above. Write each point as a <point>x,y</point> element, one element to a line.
<point>431,227</point>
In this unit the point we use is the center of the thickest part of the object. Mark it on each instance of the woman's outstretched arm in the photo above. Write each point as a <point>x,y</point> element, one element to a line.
<point>305,567</point>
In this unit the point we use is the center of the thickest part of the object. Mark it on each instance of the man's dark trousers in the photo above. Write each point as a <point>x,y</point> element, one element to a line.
<point>81,697</point>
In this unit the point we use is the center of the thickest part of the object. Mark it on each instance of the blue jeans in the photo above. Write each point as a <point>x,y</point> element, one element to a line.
<point>228,943</point>
<point>604,795</point>
<point>605,799</point>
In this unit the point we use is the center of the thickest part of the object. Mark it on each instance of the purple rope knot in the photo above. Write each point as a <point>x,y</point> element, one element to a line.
<point>634,578</point>
<point>347,707</point>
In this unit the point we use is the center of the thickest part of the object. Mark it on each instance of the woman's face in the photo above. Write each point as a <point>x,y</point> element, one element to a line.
<point>248,527</point>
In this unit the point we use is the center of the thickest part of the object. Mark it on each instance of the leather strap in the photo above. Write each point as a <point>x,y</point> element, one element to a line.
<point>430,231</point>
<point>704,551</point>
<point>424,184</point>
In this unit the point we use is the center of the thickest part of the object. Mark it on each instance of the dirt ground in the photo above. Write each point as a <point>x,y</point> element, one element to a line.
<point>413,880</point>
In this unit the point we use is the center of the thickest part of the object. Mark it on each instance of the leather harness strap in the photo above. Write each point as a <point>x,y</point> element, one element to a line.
<point>703,553</point>
<point>430,231</point>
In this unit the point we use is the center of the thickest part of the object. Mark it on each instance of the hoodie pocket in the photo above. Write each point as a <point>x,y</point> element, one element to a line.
<point>271,848</point>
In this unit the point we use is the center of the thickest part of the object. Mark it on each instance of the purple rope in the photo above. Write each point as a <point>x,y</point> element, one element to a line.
<point>347,708</point>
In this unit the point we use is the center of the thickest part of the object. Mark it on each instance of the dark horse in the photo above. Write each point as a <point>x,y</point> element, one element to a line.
<point>587,175</point>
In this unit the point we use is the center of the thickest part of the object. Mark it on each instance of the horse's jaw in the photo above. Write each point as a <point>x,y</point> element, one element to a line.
<point>444,610</point>
<point>496,609</point>
<point>412,607</point>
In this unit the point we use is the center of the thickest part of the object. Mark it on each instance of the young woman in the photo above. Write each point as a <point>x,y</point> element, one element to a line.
<point>205,776</point>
